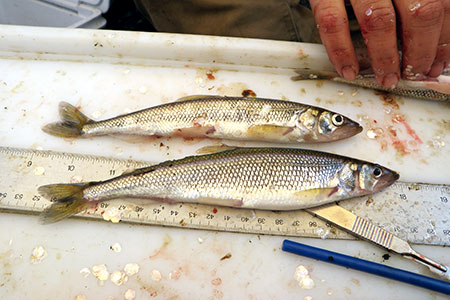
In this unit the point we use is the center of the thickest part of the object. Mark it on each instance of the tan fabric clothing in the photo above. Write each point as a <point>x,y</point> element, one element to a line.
<point>267,19</point>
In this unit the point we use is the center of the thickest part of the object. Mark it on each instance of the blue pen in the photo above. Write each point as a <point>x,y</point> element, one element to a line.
<point>367,266</point>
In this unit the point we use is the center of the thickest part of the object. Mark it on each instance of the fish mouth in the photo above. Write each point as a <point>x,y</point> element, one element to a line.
<point>349,129</point>
<point>388,178</point>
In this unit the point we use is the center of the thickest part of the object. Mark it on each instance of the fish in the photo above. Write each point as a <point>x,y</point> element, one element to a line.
<point>233,118</point>
<point>425,90</point>
<point>249,178</point>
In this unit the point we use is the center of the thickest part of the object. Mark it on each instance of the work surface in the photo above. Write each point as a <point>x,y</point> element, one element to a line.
<point>110,73</point>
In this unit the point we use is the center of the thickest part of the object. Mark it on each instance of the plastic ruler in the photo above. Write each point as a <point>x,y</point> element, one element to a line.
<point>419,213</point>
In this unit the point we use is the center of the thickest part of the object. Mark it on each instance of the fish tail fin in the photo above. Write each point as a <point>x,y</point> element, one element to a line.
<point>72,122</point>
<point>68,200</point>
<point>309,74</point>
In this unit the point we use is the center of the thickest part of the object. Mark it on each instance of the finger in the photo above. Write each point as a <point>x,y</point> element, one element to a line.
<point>332,22</point>
<point>376,19</point>
<point>443,50</point>
<point>421,23</point>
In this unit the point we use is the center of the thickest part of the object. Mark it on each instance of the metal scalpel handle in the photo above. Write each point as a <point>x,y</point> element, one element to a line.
<point>366,230</point>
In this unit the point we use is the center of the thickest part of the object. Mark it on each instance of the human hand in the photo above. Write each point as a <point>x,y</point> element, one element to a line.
<point>424,28</point>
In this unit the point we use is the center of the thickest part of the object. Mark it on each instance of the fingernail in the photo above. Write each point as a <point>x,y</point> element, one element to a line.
<point>348,73</point>
<point>436,69</point>
<point>390,80</point>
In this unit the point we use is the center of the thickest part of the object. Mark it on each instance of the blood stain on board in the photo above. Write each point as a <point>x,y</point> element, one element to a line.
<point>214,210</point>
<point>210,75</point>
<point>409,130</point>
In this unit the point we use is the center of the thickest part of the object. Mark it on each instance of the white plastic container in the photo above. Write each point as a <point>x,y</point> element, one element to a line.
<point>54,13</point>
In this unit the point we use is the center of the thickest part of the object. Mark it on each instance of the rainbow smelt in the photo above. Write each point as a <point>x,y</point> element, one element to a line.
<point>252,178</point>
<point>426,90</point>
<point>233,118</point>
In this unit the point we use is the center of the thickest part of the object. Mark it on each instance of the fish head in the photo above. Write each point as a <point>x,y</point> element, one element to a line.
<point>332,126</point>
<point>373,177</point>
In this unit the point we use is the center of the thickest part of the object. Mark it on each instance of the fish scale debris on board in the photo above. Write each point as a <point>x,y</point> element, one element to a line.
<point>234,118</point>
<point>251,178</point>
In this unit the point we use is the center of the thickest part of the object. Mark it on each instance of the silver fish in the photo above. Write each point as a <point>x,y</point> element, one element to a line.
<point>234,118</point>
<point>253,178</point>
<point>426,90</point>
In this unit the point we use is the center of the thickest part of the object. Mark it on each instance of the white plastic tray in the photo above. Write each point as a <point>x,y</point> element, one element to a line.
<point>108,73</point>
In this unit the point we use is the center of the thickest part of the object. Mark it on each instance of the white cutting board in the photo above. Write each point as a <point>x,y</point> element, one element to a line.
<point>109,73</point>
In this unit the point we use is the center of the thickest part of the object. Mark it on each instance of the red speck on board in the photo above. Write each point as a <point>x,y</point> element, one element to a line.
<point>210,76</point>
<point>153,294</point>
<point>214,210</point>
<point>375,121</point>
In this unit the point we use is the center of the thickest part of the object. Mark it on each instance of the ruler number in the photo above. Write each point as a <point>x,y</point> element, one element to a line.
<point>444,199</point>
<point>210,216</point>
<point>279,222</point>
<point>312,224</point>
<point>446,231</point>
<point>403,196</point>
<point>112,172</point>
<point>226,218</point>
<point>122,207</point>
<point>244,219</point>
<point>261,221</point>
<point>414,230</point>
<point>29,163</point>
<point>173,212</point>
<point>296,223</point>
<point>138,209</point>
<point>71,168</point>
<point>104,205</point>
<point>36,198</point>
<point>3,195</point>
<point>18,196</point>
<point>156,211</point>
<point>192,214</point>
<point>431,231</point>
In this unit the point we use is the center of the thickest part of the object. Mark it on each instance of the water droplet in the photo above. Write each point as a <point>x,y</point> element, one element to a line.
<point>329,292</point>
<point>200,240</point>
<point>76,179</point>
<point>369,12</point>
<point>96,114</point>
<point>85,272</point>
<point>39,171</point>
<point>143,90</point>
<point>340,93</point>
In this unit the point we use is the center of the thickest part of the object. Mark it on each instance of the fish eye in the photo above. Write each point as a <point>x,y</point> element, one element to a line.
<point>377,172</point>
<point>337,119</point>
